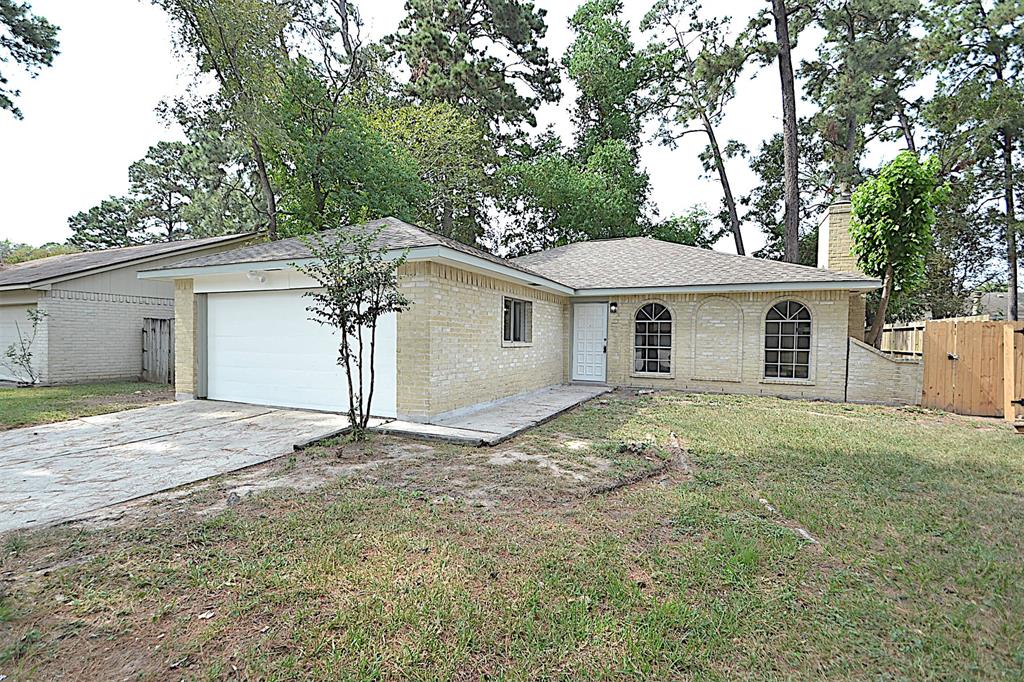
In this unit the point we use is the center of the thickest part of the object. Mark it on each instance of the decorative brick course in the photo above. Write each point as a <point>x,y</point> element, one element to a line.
<point>89,336</point>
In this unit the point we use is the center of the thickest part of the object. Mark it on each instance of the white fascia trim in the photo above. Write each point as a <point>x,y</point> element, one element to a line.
<point>442,254</point>
<point>851,285</point>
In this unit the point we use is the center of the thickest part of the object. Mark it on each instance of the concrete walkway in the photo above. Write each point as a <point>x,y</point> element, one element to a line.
<point>493,423</point>
<point>60,471</point>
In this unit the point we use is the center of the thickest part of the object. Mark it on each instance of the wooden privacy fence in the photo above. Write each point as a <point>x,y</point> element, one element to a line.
<point>907,338</point>
<point>974,367</point>
<point>158,350</point>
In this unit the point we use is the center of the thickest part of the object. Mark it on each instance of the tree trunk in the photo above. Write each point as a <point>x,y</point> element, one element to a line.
<point>790,144</point>
<point>875,333</point>
<point>906,126</point>
<point>1011,227</point>
<point>268,191</point>
<point>730,201</point>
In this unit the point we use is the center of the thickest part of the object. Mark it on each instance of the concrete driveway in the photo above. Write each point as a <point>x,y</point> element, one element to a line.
<point>60,471</point>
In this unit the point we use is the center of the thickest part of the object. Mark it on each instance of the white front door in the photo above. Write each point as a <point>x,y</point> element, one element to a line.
<point>589,341</point>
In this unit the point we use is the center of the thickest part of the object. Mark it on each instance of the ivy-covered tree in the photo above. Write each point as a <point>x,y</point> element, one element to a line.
<point>483,56</point>
<point>695,67</point>
<point>891,226</point>
<point>28,40</point>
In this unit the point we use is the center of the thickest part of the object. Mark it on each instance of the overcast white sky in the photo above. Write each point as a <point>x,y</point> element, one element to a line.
<point>90,115</point>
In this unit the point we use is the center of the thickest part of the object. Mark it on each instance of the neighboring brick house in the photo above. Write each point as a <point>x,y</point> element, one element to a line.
<point>94,304</point>
<point>626,312</point>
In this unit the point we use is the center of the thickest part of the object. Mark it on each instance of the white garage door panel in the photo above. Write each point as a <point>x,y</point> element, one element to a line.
<point>13,317</point>
<point>263,349</point>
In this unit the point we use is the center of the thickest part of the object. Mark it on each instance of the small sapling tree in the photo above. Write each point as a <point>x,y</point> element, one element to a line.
<point>17,357</point>
<point>358,284</point>
<point>891,227</point>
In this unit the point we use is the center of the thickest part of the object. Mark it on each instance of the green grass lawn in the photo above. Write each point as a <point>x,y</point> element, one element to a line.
<point>918,574</point>
<point>42,405</point>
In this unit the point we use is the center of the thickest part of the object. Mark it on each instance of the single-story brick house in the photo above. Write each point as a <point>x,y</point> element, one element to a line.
<point>94,304</point>
<point>625,312</point>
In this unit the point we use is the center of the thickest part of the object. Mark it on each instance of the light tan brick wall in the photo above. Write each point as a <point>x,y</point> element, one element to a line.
<point>718,344</point>
<point>878,378</point>
<point>92,336</point>
<point>858,316</point>
<point>840,244</point>
<point>184,339</point>
<point>450,350</point>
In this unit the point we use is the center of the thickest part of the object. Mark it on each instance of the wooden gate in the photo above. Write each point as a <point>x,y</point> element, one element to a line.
<point>158,350</point>
<point>965,363</point>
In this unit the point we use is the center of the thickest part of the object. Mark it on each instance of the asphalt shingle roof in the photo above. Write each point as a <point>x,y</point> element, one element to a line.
<point>643,262</point>
<point>394,234</point>
<point>56,267</point>
<point>605,264</point>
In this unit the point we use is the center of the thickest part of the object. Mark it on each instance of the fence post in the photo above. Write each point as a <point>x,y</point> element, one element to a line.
<point>1009,373</point>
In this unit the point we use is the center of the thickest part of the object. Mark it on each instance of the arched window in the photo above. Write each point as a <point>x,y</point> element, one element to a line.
<point>652,344</point>
<point>787,341</point>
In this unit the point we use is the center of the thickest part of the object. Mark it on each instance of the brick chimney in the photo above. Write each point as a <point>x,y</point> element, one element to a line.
<point>835,252</point>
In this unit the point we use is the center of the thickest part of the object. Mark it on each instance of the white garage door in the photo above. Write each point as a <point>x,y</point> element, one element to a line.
<point>263,349</point>
<point>12,318</point>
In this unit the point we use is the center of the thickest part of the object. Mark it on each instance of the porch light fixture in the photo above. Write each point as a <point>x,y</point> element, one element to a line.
<point>256,276</point>
<point>613,307</point>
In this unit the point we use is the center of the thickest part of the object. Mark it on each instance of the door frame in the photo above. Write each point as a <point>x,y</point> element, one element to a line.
<point>572,344</point>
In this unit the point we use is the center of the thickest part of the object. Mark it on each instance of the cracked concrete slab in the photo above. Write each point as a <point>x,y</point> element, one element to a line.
<point>59,471</point>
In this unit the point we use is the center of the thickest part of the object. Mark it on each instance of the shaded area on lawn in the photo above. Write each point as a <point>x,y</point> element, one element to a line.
<point>48,404</point>
<point>400,569</point>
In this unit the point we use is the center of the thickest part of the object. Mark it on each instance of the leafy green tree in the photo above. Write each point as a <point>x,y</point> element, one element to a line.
<point>609,73</point>
<point>859,78</point>
<point>178,190</point>
<point>358,286</point>
<point>554,199</point>
<point>977,48</point>
<point>162,186</point>
<point>765,203</point>
<point>596,189</point>
<point>694,228</point>
<point>483,56</point>
<point>12,252</point>
<point>112,223</point>
<point>788,19</point>
<point>239,42</point>
<point>454,160</point>
<point>696,68</point>
<point>891,227</point>
<point>332,166</point>
<point>27,39</point>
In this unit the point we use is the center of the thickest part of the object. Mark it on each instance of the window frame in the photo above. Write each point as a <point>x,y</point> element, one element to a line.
<point>811,349</point>
<point>671,374</point>
<point>512,303</point>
